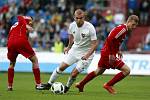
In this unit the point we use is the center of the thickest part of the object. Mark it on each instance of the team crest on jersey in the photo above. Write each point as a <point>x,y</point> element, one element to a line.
<point>83,35</point>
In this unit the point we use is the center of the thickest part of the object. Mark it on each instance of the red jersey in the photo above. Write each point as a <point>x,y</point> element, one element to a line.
<point>18,40</point>
<point>18,30</point>
<point>114,40</point>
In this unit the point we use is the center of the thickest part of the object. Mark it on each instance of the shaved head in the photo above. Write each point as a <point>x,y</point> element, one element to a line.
<point>79,16</point>
<point>79,12</point>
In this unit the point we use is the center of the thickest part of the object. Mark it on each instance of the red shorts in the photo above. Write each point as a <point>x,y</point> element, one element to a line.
<point>19,47</point>
<point>104,62</point>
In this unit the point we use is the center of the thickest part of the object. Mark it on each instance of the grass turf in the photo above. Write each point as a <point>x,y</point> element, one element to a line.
<point>131,88</point>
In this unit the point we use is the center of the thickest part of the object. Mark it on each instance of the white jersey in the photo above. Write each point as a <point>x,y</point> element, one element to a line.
<point>82,43</point>
<point>82,35</point>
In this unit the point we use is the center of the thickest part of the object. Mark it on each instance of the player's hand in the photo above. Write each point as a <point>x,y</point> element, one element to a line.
<point>66,49</point>
<point>111,59</point>
<point>85,57</point>
<point>120,55</point>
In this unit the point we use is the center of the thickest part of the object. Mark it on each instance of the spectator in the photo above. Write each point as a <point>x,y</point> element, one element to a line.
<point>132,6</point>
<point>147,41</point>
<point>119,18</point>
<point>2,35</point>
<point>64,35</point>
<point>58,44</point>
<point>144,11</point>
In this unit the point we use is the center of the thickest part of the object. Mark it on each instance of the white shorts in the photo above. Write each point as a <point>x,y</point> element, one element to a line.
<point>75,56</point>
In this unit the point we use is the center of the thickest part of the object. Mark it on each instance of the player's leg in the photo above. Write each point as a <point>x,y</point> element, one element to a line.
<point>81,65</point>
<point>68,60</point>
<point>11,55</point>
<point>89,77</point>
<point>55,75</point>
<point>11,75</point>
<point>27,51</point>
<point>71,79</point>
<point>57,71</point>
<point>125,70</point>
<point>36,71</point>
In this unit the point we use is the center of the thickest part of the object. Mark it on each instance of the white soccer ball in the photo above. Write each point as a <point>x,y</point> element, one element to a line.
<point>57,88</point>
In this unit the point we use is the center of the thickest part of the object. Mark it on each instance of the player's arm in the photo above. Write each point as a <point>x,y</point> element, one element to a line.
<point>120,55</point>
<point>111,42</point>
<point>71,38</point>
<point>111,56</point>
<point>93,47</point>
<point>94,43</point>
<point>111,47</point>
<point>113,36</point>
<point>122,30</point>
<point>71,41</point>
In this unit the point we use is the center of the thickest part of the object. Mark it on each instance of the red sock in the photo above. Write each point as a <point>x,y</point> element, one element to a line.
<point>10,76</point>
<point>87,78</point>
<point>116,79</point>
<point>36,72</point>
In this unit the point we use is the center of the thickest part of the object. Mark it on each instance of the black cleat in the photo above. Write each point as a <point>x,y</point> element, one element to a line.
<point>46,86</point>
<point>66,89</point>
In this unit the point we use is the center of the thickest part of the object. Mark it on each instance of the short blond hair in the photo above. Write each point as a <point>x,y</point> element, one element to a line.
<point>134,18</point>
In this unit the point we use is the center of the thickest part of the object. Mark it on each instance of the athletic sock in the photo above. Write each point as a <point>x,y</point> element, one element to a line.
<point>88,78</point>
<point>54,75</point>
<point>70,81</point>
<point>36,72</point>
<point>10,76</point>
<point>116,79</point>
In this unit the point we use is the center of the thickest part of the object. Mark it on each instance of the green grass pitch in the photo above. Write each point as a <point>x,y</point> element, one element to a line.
<point>131,88</point>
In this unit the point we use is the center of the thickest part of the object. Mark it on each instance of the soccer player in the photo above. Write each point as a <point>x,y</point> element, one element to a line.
<point>80,50</point>
<point>109,54</point>
<point>18,44</point>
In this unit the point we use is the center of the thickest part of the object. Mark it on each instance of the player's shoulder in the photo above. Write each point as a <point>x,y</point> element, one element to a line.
<point>88,23</point>
<point>122,26</point>
<point>72,24</point>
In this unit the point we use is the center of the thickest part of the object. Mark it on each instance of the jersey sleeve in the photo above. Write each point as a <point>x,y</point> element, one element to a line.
<point>21,20</point>
<point>111,45</point>
<point>92,32</point>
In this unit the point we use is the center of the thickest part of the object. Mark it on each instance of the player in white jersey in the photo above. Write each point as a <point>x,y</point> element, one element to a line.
<point>80,50</point>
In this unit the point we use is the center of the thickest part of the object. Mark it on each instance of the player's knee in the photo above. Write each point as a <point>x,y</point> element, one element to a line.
<point>74,74</point>
<point>126,70</point>
<point>99,71</point>
<point>58,70</point>
<point>12,64</point>
<point>63,66</point>
<point>33,59</point>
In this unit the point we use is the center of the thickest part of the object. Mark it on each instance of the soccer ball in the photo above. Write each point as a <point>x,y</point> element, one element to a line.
<point>57,88</point>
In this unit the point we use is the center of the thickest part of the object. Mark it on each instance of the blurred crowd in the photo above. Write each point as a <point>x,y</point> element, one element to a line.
<point>52,18</point>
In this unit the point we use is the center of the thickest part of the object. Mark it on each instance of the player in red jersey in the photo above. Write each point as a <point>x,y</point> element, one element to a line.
<point>109,54</point>
<point>18,44</point>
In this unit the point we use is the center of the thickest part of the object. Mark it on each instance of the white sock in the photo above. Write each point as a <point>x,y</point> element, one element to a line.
<point>70,81</point>
<point>54,75</point>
